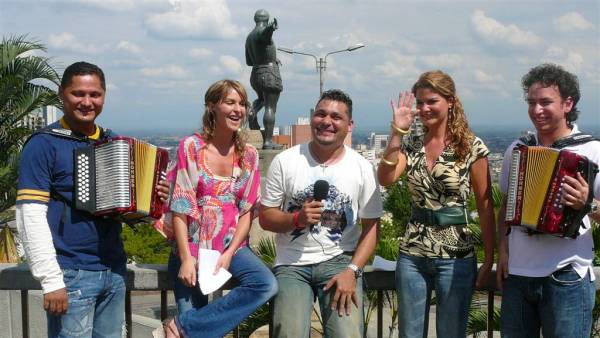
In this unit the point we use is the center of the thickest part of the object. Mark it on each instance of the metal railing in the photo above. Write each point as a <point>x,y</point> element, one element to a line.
<point>154,277</point>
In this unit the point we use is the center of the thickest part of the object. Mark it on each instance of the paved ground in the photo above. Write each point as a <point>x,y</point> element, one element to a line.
<point>146,314</point>
<point>148,305</point>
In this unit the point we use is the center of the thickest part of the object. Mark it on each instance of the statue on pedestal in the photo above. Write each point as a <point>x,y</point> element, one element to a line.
<point>265,78</point>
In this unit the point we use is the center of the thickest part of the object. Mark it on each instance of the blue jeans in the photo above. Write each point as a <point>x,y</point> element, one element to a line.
<point>561,304</point>
<point>199,319</point>
<point>96,305</point>
<point>298,287</point>
<point>453,281</point>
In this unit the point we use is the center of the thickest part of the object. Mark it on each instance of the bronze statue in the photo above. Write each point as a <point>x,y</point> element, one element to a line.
<point>265,78</point>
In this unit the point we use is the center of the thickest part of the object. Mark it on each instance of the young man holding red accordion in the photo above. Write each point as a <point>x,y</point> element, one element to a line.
<point>547,280</point>
<point>77,257</point>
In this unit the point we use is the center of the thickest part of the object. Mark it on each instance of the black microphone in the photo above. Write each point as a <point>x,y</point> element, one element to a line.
<point>321,190</point>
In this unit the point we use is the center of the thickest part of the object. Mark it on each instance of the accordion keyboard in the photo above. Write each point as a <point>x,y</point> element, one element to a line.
<point>511,196</point>
<point>113,175</point>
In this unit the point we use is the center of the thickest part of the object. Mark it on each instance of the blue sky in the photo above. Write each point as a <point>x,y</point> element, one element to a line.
<point>160,55</point>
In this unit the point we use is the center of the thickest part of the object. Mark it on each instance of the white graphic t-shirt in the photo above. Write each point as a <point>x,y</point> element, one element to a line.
<point>353,194</point>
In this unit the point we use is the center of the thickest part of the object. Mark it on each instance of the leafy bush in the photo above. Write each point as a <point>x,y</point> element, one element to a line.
<point>143,244</point>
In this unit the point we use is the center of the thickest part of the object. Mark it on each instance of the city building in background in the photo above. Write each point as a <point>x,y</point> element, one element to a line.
<point>41,117</point>
<point>378,142</point>
<point>50,114</point>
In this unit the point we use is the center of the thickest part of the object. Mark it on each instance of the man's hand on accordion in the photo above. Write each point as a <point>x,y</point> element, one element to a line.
<point>575,192</point>
<point>162,188</point>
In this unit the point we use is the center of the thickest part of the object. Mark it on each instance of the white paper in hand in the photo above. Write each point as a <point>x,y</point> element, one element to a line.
<point>208,281</point>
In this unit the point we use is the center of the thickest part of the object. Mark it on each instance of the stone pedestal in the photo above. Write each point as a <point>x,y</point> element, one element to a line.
<point>255,138</point>
<point>265,158</point>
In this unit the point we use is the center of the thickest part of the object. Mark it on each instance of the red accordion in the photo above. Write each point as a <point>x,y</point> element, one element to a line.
<point>534,189</point>
<point>118,176</point>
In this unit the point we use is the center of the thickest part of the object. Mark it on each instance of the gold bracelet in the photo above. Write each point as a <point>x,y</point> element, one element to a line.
<point>390,163</point>
<point>399,131</point>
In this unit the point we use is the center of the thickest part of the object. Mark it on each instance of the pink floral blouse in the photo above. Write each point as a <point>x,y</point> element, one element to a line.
<point>211,203</point>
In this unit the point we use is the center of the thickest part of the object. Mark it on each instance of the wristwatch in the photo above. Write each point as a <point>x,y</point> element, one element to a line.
<point>358,272</point>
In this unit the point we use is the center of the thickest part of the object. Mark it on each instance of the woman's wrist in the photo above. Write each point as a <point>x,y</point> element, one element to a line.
<point>229,251</point>
<point>399,129</point>
<point>185,258</point>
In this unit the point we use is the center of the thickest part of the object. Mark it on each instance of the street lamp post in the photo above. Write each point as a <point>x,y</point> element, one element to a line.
<point>321,62</point>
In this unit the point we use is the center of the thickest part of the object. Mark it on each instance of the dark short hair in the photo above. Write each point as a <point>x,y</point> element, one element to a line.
<point>337,95</point>
<point>82,68</point>
<point>549,74</point>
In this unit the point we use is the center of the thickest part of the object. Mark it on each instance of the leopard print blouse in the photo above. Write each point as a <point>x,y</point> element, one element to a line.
<point>447,185</point>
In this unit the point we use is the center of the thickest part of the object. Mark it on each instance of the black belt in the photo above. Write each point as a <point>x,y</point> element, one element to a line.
<point>443,216</point>
<point>266,65</point>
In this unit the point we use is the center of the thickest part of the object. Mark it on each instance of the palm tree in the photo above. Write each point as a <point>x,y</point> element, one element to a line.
<point>24,76</point>
<point>8,248</point>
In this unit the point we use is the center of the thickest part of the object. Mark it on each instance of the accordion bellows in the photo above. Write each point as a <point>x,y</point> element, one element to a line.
<point>534,189</point>
<point>118,177</point>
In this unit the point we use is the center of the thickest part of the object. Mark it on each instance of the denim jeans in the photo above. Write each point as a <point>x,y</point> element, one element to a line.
<point>96,305</point>
<point>298,288</point>
<point>453,281</point>
<point>561,304</point>
<point>199,319</point>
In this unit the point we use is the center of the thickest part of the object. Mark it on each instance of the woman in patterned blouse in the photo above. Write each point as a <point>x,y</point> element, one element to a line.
<point>442,165</point>
<point>216,187</point>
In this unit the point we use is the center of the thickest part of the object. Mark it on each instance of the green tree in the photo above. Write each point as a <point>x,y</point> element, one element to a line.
<point>8,249</point>
<point>143,244</point>
<point>24,80</point>
<point>397,203</point>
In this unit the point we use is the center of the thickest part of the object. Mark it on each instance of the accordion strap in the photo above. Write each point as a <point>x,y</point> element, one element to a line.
<point>571,140</point>
<point>69,134</point>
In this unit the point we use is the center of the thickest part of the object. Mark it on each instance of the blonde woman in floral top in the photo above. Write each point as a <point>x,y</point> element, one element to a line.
<point>216,187</point>
<point>442,168</point>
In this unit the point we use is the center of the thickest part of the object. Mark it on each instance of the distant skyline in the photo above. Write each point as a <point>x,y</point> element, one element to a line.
<point>160,55</point>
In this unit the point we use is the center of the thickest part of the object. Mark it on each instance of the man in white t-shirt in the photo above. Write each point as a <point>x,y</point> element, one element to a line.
<point>548,281</point>
<point>322,246</point>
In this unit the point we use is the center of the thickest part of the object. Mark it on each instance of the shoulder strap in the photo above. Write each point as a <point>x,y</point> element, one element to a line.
<point>528,139</point>
<point>68,134</point>
<point>571,140</point>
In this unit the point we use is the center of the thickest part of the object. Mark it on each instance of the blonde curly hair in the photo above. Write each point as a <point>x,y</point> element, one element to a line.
<point>215,94</point>
<point>459,134</point>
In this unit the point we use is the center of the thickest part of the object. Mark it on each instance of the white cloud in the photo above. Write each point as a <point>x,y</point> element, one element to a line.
<point>68,42</point>
<point>167,71</point>
<point>399,66</point>
<point>112,87</point>
<point>112,5</point>
<point>494,31</point>
<point>200,53</point>
<point>442,61</point>
<point>485,78</point>
<point>554,50</point>
<point>571,61</point>
<point>574,62</point>
<point>129,47</point>
<point>231,64</point>
<point>572,21</point>
<point>204,19</point>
